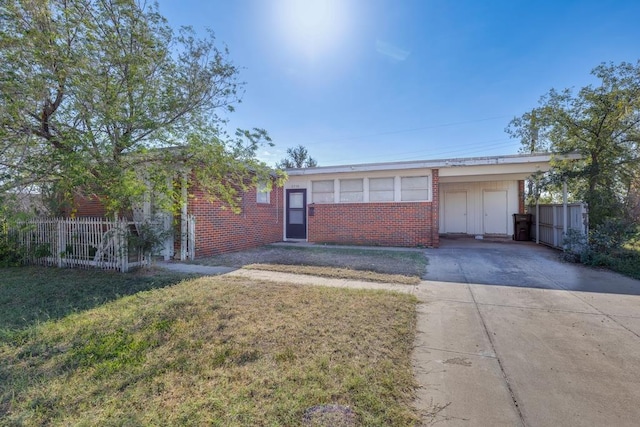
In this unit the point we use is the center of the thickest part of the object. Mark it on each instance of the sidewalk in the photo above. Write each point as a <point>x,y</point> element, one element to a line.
<point>274,276</point>
<point>518,355</point>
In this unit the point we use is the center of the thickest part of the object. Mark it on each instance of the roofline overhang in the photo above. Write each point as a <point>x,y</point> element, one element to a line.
<point>513,159</point>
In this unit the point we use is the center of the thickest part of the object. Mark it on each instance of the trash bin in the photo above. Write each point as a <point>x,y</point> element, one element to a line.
<point>522,227</point>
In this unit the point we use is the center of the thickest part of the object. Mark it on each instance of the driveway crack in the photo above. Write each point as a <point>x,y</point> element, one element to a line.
<point>600,312</point>
<point>514,399</point>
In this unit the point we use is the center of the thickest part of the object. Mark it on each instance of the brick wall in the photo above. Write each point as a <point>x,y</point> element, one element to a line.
<point>435,208</point>
<point>220,230</point>
<point>385,224</point>
<point>86,206</point>
<point>406,224</point>
<point>521,207</point>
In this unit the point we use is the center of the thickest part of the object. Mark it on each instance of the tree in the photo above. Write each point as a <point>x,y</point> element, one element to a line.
<point>602,123</point>
<point>103,97</point>
<point>297,157</point>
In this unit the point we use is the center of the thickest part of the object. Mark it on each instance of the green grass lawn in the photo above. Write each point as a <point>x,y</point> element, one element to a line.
<point>397,262</point>
<point>205,351</point>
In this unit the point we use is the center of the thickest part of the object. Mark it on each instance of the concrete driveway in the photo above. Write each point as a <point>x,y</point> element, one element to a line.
<point>510,335</point>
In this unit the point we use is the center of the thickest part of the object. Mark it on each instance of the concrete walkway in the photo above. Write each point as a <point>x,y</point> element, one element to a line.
<point>547,344</point>
<point>510,336</point>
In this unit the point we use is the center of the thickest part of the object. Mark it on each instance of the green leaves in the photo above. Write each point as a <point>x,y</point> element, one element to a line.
<point>602,123</point>
<point>94,92</point>
<point>297,157</point>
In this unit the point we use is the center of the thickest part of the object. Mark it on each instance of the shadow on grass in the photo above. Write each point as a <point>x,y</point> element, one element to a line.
<point>31,295</point>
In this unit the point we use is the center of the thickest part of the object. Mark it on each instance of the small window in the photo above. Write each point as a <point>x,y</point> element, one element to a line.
<point>263,194</point>
<point>414,188</point>
<point>381,189</point>
<point>351,190</point>
<point>322,191</point>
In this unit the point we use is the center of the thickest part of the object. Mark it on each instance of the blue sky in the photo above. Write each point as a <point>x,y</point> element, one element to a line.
<point>366,81</point>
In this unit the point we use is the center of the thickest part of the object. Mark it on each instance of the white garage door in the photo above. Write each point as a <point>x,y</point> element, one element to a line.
<point>495,212</point>
<point>455,212</point>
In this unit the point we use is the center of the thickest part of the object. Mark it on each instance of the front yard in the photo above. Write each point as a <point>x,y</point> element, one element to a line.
<point>406,262</point>
<point>89,348</point>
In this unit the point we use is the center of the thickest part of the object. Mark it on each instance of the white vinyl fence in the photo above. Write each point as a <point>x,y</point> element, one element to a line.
<point>79,242</point>
<point>551,228</point>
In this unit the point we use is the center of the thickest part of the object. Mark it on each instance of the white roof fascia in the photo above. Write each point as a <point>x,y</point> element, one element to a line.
<point>433,164</point>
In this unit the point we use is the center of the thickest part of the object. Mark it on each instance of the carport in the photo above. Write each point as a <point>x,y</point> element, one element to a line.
<point>479,196</point>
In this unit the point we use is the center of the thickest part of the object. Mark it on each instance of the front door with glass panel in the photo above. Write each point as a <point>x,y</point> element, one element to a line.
<point>296,214</point>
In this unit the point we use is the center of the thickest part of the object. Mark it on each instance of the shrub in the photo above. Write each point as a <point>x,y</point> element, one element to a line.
<point>11,254</point>
<point>612,234</point>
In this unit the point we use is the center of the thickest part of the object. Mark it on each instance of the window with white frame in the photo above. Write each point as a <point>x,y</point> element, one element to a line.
<point>263,194</point>
<point>381,189</point>
<point>322,191</point>
<point>414,188</point>
<point>351,190</point>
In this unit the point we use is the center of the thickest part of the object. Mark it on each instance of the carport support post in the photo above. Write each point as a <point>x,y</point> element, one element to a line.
<point>183,217</point>
<point>564,211</point>
<point>537,220</point>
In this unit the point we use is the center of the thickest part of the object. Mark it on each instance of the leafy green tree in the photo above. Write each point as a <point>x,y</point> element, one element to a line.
<point>297,157</point>
<point>104,97</point>
<point>600,122</point>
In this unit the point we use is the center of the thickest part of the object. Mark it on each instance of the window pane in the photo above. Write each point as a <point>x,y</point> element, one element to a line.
<point>296,217</point>
<point>415,188</point>
<point>351,196</point>
<point>351,190</point>
<point>350,185</point>
<point>322,186</point>
<point>414,195</point>
<point>381,196</point>
<point>322,191</point>
<point>296,200</point>
<point>381,184</point>
<point>263,196</point>
<point>415,182</point>
<point>322,197</point>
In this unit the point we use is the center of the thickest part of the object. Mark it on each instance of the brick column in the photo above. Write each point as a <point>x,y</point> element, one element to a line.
<point>521,207</point>
<point>435,208</point>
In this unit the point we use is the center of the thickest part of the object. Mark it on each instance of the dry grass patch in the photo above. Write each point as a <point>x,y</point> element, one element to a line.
<point>338,273</point>
<point>404,262</point>
<point>215,351</point>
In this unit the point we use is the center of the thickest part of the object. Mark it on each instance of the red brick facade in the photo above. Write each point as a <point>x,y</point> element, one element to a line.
<point>435,208</point>
<point>406,224</point>
<point>219,230</point>
<point>86,206</point>
<point>521,207</point>
<point>384,224</point>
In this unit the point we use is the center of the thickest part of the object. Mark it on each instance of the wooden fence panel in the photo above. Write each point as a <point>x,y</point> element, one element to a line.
<point>551,226</point>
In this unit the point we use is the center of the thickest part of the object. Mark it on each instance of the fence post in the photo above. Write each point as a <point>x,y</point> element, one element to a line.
<point>61,242</point>
<point>192,237</point>
<point>124,251</point>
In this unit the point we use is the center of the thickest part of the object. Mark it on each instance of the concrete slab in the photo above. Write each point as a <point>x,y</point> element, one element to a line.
<point>631,323</point>
<point>452,326</point>
<point>567,368</point>
<point>195,268</point>
<point>431,291</point>
<point>301,279</point>
<point>543,299</point>
<point>612,304</point>
<point>462,390</point>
